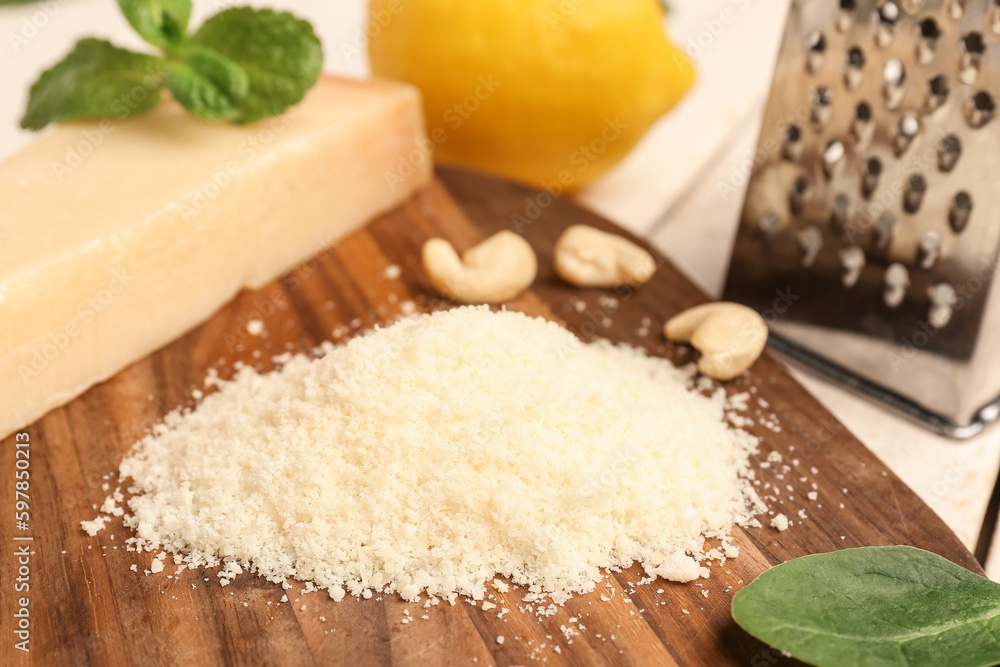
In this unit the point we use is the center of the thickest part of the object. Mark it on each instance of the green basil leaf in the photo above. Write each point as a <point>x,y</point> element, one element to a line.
<point>162,23</point>
<point>882,606</point>
<point>95,79</point>
<point>279,53</point>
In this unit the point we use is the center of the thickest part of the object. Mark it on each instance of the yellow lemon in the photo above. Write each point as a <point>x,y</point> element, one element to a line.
<point>547,92</point>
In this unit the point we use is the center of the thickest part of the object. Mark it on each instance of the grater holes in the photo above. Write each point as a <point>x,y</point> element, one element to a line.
<point>870,175</point>
<point>929,249</point>
<point>993,18</point>
<point>797,194</point>
<point>938,90</point>
<point>928,28</point>
<point>972,42</point>
<point>833,157</point>
<point>949,150</point>
<point>851,265</point>
<point>956,8</point>
<point>979,109</point>
<point>961,209</point>
<point>916,188</point>
<point>894,82</point>
<point>934,94</point>
<point>863,125</point>
<point>854,67</point>
<point>840,212</point>
<point>810,240</point>
<point>943,299</point>
<point>906,131</point>
<point>816,41</point>
<point>973,48</point>
<point>884,229</point>
<point>897,279</point>
<point>887,17</point>
<point>821,106</point>
<point>845,15</point>
<point>816,45</point>
<point>928,33</point>
<point>792,144</point>
<point>852,261</point>
<point>888,13</point>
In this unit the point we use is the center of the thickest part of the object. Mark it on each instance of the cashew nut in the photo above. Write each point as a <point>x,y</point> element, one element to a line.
<point>496,270</point>
<point>730,337</point>
<point>588,257</point>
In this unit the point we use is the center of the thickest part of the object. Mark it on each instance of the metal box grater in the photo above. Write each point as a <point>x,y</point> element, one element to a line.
<point>870,231</point>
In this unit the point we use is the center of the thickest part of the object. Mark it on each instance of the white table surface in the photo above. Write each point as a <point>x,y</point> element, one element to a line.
<point>667,190</point>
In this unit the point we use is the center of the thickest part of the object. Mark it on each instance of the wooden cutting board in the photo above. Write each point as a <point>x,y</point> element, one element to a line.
<point>88,608</point>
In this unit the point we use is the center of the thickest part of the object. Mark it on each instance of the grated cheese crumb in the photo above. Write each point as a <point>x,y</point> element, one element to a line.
<point>111,507</point>
<point>455,442</point>
<point>94,527</point>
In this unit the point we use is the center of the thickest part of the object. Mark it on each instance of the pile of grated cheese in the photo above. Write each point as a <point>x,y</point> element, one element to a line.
<point>435,454</point>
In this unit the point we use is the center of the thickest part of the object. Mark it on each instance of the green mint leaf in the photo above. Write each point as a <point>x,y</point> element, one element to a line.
<point>162,23</point>
<point>874,606</point>
<point>95,79</point>
<point>226,75</point>
<point>198,94</point>
<point>208,84</point>
<point>279,53</point>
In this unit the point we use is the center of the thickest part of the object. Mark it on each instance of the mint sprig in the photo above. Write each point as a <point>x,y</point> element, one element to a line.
<point>95,79</point>
<point>162,23</point>
<point>281,57</point>
<point>241,65</point>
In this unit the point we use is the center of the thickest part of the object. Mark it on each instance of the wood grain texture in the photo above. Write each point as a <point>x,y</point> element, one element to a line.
<point>88,608</point>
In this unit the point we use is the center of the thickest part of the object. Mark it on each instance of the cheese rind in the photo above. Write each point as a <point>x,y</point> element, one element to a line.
<point>118,236</point>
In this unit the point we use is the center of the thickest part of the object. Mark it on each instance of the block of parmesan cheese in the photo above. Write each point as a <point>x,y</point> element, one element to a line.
<point>118,236</point>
